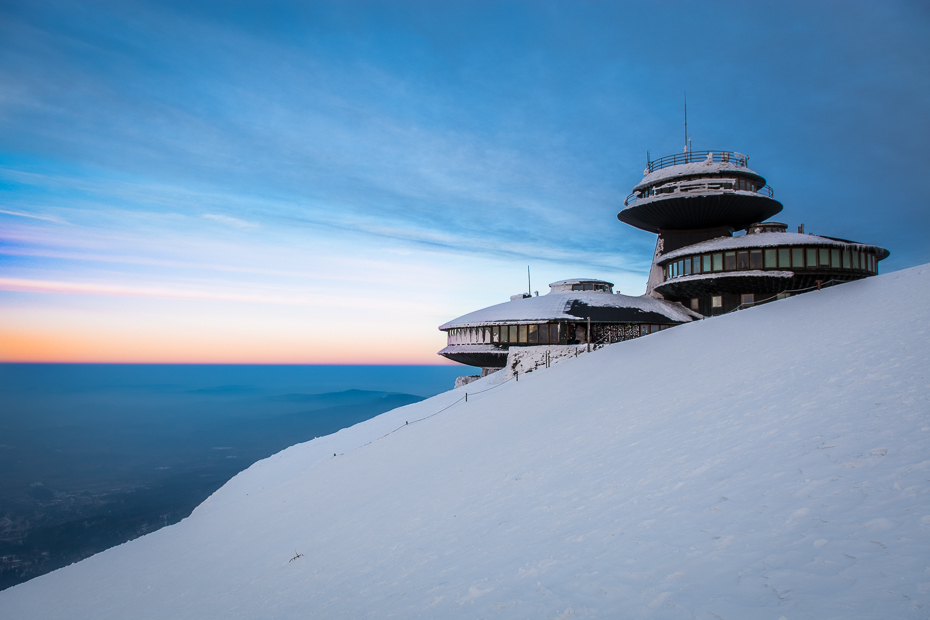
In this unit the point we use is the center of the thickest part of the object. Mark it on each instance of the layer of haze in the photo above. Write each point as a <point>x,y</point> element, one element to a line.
<point>327,183</point>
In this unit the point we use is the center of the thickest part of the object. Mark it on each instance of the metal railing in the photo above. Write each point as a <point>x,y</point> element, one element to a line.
<point>765,190</point>
<point>696,157</point>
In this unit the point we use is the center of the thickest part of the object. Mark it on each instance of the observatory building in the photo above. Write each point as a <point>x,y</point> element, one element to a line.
<point>573,312</point>
<point>715,253</point>
<point>696,201</point>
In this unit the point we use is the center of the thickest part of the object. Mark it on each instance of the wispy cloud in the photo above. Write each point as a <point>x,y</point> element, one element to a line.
<point>235,222</point>
<point>285,298</point>
<point>32,216</point>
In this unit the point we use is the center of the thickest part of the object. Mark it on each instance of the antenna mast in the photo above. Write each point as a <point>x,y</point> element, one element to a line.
<point>529,287</point>
<point>686,122</point>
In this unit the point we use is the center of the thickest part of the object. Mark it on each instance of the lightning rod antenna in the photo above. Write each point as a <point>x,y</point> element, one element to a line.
<point>529,287</point>
<point>686,122</point>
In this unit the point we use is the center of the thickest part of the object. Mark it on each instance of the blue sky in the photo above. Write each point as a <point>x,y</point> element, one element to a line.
<point>289,182</point>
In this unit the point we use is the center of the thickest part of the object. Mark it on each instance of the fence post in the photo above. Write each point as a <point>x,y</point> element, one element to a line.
<point>589,335</point>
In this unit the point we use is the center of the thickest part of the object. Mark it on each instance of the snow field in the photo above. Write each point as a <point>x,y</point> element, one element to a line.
<point>766,464</point>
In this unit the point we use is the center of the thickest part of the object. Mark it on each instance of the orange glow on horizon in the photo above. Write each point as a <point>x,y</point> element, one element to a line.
<point>113,347</point>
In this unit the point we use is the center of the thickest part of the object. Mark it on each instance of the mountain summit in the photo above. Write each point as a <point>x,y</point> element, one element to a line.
<point>770,463</point>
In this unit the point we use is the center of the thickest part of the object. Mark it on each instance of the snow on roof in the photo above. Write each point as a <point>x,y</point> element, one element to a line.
<point>769,462</point>
<point>762,240</point>
<point>694,168</point>
<point>580,281</point>
<point>717,275</point>
<point>576,305</point>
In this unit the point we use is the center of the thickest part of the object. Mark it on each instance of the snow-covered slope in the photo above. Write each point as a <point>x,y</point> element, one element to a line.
<point>770,463</point>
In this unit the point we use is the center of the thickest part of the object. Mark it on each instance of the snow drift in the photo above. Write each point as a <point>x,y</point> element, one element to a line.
<point>770,463</point>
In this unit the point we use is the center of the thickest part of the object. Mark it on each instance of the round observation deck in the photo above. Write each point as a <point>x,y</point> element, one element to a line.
<point>699,190</point>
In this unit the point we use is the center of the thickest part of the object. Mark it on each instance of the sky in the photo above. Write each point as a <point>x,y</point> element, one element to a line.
<point>275,182</point>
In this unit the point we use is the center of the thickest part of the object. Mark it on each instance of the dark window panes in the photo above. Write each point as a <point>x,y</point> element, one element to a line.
<point>532,335</point>
<point>512,337</point>
<point>771,259</point>
<point>697,265</point>
<point>742,260</point>
<point>855,259</point>
<point>824,257</point>
<point>718,262</point>
<point>687,271</point>
<point>554,334</point>
<point>835,259</point>
<point>747,300</point>
<point>705,263</point>
<point>521,337</point>
<point>755,259</point>
<point>811,257</point>
<point>729,261</point>
<point>543,334</point>
<point>846,264</point>
<point>797,257</point>
<point>784,258</point>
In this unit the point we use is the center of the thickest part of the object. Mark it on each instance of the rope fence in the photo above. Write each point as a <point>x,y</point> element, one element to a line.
<point>449,406</point>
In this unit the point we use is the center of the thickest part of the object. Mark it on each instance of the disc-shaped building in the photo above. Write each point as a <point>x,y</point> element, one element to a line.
<point>573,312</point>
<point>696,202</point>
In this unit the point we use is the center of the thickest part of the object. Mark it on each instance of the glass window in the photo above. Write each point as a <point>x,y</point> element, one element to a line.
<point>577,287</point>
<point>697,265</point>
<point>770,259</point>
<point>532,334</point>
<point>835,259</point>
<point>512,336</point>
<point>554,334</point>
<point>846,264</point>
<point>705,263</point>
<point>784,258</point>
<point>811,257</point>
<point>855,259</point>
<point>521,334</point>
<point>824,257</point>
<point>487,335</point>
<point>687,271</point>
<point>755,259</point>
<point>543,334</point>
<point>797,257</point>
<point>718,262</point>
<point>495,334</point>
<point>695,303</point>
<point>729,261</point>
<point>742,260</point>
<point>747,300</point>
<point>715,302</point>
